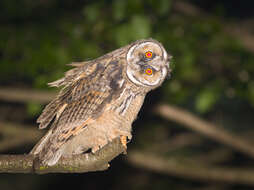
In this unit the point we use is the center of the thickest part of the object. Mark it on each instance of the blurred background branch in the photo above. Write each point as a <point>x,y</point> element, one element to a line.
<point>166,111</point>
<point>199,122</point>
<point>11,137</point>
<point>212,131</point>
<point>190,169</point>
<point>25,95</point>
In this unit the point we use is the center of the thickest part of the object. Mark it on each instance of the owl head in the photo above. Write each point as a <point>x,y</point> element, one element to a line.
<point>147,63</point>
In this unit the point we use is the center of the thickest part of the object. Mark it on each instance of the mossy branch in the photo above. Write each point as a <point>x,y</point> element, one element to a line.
<point>98,161</point>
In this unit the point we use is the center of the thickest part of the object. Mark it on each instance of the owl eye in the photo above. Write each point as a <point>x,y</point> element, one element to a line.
<point>149,54</point>
<point>149,71</point>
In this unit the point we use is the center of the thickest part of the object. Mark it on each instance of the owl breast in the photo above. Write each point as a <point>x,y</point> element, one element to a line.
<point>114,122</point>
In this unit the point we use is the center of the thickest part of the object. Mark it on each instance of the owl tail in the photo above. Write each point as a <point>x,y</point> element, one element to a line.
<point>44,152</point>
<point>39,146</point>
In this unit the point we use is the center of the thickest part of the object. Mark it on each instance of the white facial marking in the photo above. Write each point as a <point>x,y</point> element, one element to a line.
<point>165,54</point>
<point>157,64</point>
<point>129,54</point>
<point>151,83</point>
<point>164,72</point>
<point>148,43</point>
<point>133,79</point>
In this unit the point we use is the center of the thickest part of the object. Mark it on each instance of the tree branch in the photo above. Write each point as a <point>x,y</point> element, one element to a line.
<point>13,130</point>
<point>187,168</point>
<point>98,161</point>
<point>210,130</point>
<point>26,95</point>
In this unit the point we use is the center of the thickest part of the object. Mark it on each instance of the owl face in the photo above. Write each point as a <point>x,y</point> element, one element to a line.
<point>147,63</point>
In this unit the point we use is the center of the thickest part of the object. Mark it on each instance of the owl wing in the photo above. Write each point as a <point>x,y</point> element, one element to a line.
<point>78,105</point>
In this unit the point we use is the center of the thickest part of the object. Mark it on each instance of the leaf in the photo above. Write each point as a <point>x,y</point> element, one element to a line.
<point>206,99</point>
<point>141,27</point>
<point>33,108</point>
<point>119,8</point>
<point>138,28</point>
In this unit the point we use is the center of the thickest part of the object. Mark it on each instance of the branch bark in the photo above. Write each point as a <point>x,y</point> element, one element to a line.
<point>75,164</point>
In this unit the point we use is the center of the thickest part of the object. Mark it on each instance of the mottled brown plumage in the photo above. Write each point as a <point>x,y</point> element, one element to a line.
<point>100,99</point>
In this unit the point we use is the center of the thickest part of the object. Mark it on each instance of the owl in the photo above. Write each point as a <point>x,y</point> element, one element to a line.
<point>100,99</point>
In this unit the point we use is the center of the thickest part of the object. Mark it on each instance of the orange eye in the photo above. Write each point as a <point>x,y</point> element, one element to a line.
<point>149,71</point>
<point>148,54</point>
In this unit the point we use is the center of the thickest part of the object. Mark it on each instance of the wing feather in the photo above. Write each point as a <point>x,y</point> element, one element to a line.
<point>83,101</point>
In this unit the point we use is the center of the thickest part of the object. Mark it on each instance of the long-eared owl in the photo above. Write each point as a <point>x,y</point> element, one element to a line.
<point>100,99</point>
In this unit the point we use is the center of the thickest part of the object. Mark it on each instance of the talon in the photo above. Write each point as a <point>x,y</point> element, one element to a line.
<point>123,140</point>
<point>95,149</point>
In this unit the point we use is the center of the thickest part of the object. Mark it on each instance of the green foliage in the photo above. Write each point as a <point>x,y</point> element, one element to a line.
<point>41,38</point>
<point>33,109</point>
<point>206,99</point>
<point>138,27</point>
<point>212,75</point>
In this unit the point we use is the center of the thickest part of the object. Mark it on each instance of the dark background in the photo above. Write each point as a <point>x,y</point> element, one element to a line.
<point>212,43</point>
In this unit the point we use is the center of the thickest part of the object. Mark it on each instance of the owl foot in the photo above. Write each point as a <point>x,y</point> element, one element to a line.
<point>123,140</point>
<point>95,149</point>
